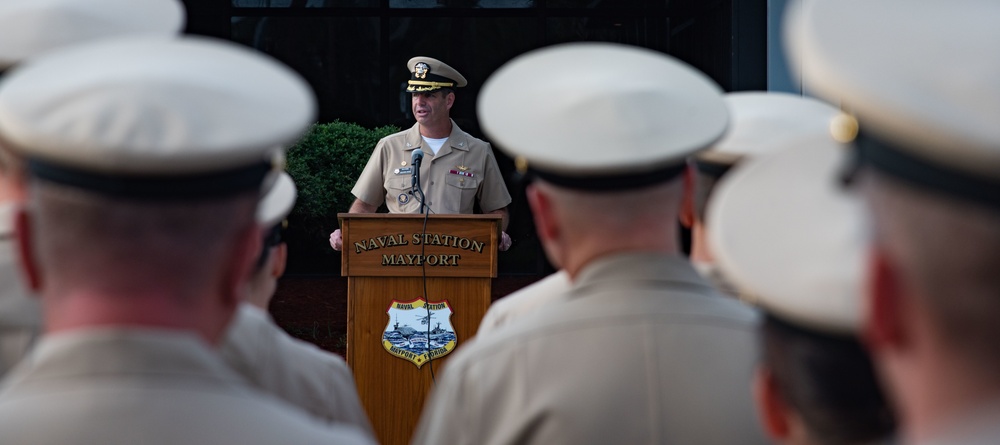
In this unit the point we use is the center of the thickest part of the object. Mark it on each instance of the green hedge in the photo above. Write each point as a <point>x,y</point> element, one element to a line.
<point>325,163</point>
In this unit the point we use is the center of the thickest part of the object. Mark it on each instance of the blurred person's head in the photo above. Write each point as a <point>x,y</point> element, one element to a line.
<point>29,28</point>
<point>929,167</point>
<point>760,122</point>
<point>275,205</point>
<point>145,168</point>
<point>607,144</point>
<point>791,237</point>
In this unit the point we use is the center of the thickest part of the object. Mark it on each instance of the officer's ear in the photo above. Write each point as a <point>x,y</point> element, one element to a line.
<point>772,411</point>
<point>687,200</point>
<point>449,99</point>
<point>279,256</point>
<point>29,265</point>
<point>884,327</point>
<point>543,213</point>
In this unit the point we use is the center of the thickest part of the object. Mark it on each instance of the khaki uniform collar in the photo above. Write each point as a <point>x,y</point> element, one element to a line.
<point>644,266</point>
<point>457,140</point>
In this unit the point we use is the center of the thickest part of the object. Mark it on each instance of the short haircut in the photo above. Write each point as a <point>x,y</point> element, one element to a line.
<point>829,381</point>
<point>117,245</point>
<point>947,251</point>
<point>617,210</point>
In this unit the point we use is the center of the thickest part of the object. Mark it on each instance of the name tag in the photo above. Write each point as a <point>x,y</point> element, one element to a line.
<point>404,171</point>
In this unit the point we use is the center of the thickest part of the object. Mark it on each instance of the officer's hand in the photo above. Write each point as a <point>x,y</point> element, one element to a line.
<point>505,241</point>
<point>336,240</point>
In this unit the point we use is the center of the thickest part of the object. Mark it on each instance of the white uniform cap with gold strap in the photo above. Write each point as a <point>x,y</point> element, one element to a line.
<point>601,116</point>
<point>429,74</point>
<point>153,117</point>
<point>921,77</point>
<point>761,122</point>
<point>30,27</point>
<point>785,230</point>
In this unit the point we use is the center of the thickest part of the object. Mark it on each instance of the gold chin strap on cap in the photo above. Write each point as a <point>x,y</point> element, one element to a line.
<point>428,85</point>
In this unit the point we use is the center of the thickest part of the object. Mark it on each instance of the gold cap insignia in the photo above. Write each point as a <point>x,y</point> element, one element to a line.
<point>844,128</point>
<point>521,164</point>
<point>420,70</point>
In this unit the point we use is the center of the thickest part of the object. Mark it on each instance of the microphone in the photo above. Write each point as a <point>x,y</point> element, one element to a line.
<point>418,156</point>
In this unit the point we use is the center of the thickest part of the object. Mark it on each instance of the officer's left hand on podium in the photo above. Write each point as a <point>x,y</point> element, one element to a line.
<point>505,241</point>
<point>336,240</point>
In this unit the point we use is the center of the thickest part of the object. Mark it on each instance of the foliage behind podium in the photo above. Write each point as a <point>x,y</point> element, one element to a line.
<point>325,163</point>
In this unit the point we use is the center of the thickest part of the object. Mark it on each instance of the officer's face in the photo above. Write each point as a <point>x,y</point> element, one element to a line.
<point>432,108</point>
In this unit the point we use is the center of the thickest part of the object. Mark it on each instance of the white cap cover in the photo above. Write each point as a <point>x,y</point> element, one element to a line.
<point>785,230</point>
<point>30,27</point>
<point>921,74</point>
<point>586,110</point>
<point>153,107</point>
<point>761,122</point>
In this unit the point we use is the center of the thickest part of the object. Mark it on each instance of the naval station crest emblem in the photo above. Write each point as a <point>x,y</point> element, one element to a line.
<point>419,330</point>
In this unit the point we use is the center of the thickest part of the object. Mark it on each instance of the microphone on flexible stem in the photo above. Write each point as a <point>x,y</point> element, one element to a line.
<point>418,156</point>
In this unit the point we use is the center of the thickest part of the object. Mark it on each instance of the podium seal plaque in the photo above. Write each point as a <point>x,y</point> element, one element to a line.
<point>419,330</point>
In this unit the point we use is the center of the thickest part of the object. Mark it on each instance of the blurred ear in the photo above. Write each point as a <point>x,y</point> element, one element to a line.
<point>771,407</point>
<point>543,213</point>
<point>546,223</point>
<point>25,246</point>
<point>449,100</point>
<point>279,260</point>
<point>687,216</point>
<point>884,327</point>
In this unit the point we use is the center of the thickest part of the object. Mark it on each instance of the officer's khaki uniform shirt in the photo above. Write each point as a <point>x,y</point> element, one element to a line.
<point>643,352</point>
<point>463,172</point>
<point>295,371</point>
<point>515,306</point>
<point>20,313</point>
<point>133,386</point>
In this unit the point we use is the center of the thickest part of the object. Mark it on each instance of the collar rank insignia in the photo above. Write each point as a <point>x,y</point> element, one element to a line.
<point>420,70</point>
<point>419,330</point>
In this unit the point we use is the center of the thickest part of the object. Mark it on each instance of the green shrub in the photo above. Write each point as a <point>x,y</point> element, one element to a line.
<point>325,163</point>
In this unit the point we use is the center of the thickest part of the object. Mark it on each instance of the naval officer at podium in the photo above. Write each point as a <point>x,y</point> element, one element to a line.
<point>459,170</point>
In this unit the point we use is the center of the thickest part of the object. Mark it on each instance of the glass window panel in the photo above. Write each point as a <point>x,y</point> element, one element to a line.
<point>595,3</point>
<point>462,4</point>
<point>417,3</point>
<point>650,32</point>
<point>305,3</point>
<point>474,46</point>
<point>505,4</point>
<point>338,56</point>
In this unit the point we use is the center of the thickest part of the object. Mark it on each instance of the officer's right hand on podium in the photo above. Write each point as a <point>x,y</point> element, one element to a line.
<point>336,240</point>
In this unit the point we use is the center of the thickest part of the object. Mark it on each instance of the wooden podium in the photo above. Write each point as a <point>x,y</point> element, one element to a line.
<point>391,333</point>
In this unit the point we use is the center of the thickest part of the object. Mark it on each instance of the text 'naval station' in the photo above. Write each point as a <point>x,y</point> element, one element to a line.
<point>428,239</point>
